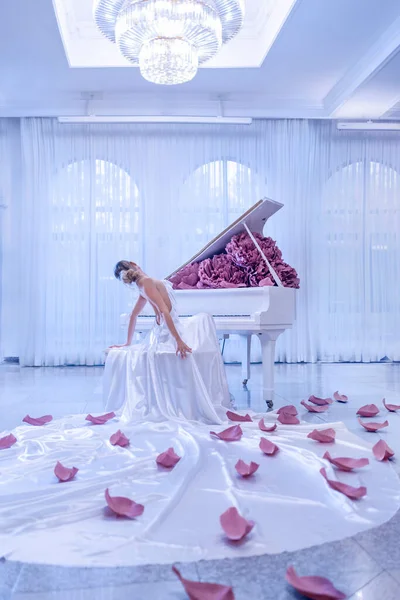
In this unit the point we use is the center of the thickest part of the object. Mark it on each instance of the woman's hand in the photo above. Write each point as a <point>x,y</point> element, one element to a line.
<point>182,349</point>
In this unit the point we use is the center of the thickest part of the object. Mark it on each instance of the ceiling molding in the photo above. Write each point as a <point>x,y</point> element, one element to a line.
<point>85,47</point>
<point>393,109</point>
<point>239,105</point>
<point>389,108</point>
<point>276,20</point>
<point>377,56</point>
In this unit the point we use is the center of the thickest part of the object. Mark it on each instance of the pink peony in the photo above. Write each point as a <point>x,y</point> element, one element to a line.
<point>245,254</point>
<point>259,274</point>
<point>221,272</point>
<point>241,266</point>
<point>287,274</point>
<point>187,278</point>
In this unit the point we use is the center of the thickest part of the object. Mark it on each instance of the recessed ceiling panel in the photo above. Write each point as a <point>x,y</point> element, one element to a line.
<point>86,47</point>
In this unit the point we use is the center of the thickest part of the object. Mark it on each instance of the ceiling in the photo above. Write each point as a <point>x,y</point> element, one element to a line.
<point>294,59</point>
<point>86,47</point>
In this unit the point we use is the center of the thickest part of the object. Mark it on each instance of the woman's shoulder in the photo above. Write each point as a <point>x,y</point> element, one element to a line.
<point>148,281</point>
<point>151,282</point>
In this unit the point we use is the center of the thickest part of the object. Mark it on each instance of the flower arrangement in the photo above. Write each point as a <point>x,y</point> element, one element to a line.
<point>240,265</point>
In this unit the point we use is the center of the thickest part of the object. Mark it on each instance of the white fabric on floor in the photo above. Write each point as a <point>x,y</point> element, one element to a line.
<point>44,521</point>
<point>161,402</point>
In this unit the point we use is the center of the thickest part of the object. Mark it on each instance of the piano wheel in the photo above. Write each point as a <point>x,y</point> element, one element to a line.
<point>245,382</point>
<point>270,403</point>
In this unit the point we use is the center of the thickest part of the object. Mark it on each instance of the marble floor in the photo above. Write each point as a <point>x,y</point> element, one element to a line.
<point>365,567</point>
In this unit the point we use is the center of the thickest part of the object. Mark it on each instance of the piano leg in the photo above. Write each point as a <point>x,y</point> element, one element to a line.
<point>246,342</point>
<point>268,340</point>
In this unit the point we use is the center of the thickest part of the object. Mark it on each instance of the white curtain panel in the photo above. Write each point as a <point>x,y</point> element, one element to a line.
<point>84,196</point>
<point>10,237</point>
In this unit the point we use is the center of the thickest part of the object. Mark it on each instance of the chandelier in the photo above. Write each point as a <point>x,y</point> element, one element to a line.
<point>169,39</point>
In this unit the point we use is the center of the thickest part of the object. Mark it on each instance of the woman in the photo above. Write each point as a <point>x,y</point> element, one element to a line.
<point>146,381</point>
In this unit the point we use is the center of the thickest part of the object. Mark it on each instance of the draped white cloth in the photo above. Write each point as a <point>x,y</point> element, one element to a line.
<point>81,197</point>
<point>145,381</point>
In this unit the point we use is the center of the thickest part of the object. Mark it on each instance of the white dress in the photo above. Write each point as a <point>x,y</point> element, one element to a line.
<point>148,382</point>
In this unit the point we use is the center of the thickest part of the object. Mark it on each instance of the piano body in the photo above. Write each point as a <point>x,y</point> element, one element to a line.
<point>262,311</point>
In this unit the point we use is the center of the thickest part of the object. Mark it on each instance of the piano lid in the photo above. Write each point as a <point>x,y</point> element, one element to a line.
<point>255,219</point>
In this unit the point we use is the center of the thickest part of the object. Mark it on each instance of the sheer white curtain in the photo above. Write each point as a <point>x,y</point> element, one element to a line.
<point>359,306</point>
<point>10,236</point>
<point>105,193</point>
<point>94,194</point>
<point>81,215</point>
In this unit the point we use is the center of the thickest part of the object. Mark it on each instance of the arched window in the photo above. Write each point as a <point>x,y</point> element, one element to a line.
<point>95,222</point>
<point>213,196</point>
<point>361,220</point>
<point>99,189</point>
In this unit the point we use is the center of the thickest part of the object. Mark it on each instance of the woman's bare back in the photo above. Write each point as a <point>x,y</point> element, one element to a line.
<point>161,289</point>
<point>164,294</point>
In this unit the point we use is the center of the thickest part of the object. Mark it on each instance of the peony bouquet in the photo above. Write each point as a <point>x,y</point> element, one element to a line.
<point>240,265</point>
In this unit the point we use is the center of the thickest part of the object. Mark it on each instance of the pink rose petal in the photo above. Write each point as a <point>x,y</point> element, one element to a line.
<point>373,426</point>
<point>263,426</point>
<point>266,281</point>
<point>232,434</point>
<point>382,451</point>
<point>7,441</point>
<point>268,447</point>
<point>288,419</point>
<point>391,407</point>
<point>346,464</point>
<point>289,409</point>
<point>168,459</point>
<point>101,420</point>
<point>314,409</point>
<point>348,490</point>
<point>123,506</point>
<point>63,473</point>
<point>197,590</point>
<point>324,436</point>
<point>119,439</point>
<point>320,401</point>
<point>39,421</point>
<point>313,587</point>
<point>235,526</point>
<point>246,470</point>
<point>369,410</point>
<point>340,397</point>
<point>239,418</point>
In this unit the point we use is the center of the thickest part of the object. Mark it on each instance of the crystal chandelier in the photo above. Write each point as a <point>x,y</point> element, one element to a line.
<point>169,39</point>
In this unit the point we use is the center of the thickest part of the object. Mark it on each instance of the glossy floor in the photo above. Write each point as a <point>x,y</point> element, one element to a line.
<point>366,567</point>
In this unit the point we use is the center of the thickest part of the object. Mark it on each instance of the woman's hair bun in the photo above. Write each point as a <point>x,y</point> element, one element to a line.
<point>129,276</point>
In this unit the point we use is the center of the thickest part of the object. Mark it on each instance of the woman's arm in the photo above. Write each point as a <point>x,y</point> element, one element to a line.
<point>139,306</point>
<point>155,298</point>
<point>137,309</point>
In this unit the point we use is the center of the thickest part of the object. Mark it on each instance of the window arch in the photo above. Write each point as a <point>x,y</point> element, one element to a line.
<point>361,214</point>
<point>360,268</point>
<point>213,196</point>
<point>95,220</point>
<point>98,188</point>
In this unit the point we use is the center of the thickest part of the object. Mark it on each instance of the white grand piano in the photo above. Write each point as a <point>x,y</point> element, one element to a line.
<point>262,311</point>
